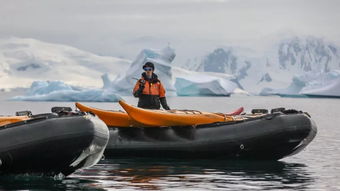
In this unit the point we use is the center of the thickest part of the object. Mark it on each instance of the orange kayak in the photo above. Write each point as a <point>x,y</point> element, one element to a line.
<point>173,117</point>
<point>12,119</point>
<point>110,118</point>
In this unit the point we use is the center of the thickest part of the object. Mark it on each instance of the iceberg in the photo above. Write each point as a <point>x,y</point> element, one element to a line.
<point>310,85</point>
<point>189,83</point>
<point>293,90</point>
<point>177,81</point>
<point>161,58</point>
<point>59,91</point>
<point>328,85</point>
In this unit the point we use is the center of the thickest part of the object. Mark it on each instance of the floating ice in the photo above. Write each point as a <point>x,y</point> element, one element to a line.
<point>59,91</point>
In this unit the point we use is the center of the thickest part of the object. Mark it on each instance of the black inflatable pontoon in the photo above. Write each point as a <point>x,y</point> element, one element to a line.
<point>52,143</point>
<point>268,136</point>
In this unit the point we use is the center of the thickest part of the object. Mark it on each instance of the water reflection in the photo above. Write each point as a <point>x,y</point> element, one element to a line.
<point>151,174</point>
<point>42,182</point>
<point>155,174</point>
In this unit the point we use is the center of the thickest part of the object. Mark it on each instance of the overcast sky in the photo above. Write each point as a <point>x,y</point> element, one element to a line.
<point>123,27</point>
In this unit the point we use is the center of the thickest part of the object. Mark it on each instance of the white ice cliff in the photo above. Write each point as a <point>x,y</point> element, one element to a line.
<point>189,83</point>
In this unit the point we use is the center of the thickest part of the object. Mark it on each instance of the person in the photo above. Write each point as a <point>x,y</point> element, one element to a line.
<point>149,89</point>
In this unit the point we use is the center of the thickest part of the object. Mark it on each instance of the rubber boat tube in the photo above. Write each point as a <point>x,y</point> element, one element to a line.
<point>269,137</point>
<point>52,144</point>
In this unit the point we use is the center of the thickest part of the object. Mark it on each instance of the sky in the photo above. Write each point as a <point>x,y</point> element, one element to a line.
<point>193,27</point>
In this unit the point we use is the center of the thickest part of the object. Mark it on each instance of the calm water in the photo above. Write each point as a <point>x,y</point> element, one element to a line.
<point>315,168</point>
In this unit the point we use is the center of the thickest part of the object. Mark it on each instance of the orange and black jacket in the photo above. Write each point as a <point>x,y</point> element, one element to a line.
<point>151,93</point>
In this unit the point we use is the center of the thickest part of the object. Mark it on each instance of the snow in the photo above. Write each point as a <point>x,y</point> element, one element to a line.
<point>59,91</point>
<point>23,61</point>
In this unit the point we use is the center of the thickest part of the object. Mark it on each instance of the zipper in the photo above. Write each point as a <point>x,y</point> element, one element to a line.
<point>150,86</point>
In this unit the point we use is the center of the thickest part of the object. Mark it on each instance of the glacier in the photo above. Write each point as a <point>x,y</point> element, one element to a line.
<point>24,60</point>
<point>59,91</point>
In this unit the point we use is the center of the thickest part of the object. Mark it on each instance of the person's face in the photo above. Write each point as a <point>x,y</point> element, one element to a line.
<point>148,71</point>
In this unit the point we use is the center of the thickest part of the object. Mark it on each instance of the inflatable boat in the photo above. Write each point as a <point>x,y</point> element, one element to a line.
<point>260,135</point>
<point>51,143</point>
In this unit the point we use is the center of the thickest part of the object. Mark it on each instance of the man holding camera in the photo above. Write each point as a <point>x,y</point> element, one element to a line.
<point>149,89</point>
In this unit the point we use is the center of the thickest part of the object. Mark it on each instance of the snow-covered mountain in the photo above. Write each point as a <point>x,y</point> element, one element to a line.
<point>225,61</point>
<point>282,65</point>
<point>221,60</point>
<point>310,64</point>
<point>308,55</point>
<point>23,61</point>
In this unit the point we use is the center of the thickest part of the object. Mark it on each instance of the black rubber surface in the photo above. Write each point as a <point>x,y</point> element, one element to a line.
<point>47,144</point>
<point>270,137</point>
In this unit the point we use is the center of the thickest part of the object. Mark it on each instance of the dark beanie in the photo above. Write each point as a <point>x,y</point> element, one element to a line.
<point>149,64</point>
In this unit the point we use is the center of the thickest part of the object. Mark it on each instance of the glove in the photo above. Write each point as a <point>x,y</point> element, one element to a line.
<point>140,89</point>
<point>164,103</point>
